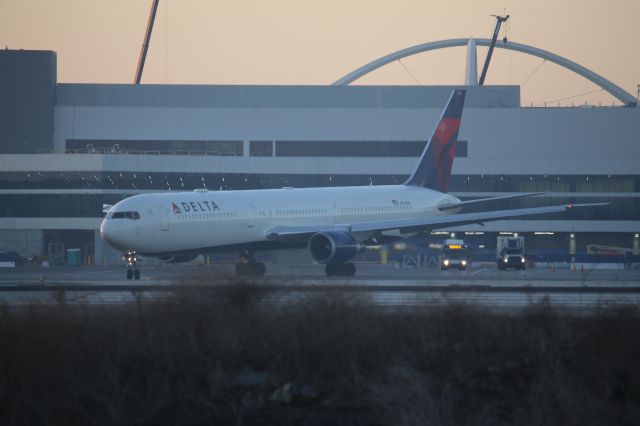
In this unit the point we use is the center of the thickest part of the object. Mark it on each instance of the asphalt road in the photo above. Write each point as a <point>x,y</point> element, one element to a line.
<point>369,274</point>
<point>482,287</point>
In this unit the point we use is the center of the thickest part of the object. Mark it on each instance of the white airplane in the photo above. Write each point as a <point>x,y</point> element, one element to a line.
<point>335,224</point>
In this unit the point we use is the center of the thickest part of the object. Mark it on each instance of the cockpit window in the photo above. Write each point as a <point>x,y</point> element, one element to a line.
<point>123,215</point>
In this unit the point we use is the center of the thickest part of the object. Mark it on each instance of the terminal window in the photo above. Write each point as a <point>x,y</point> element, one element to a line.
<point>160,147</point>
<point>349,148</point>
<point>261,148</point>
<point>461,149</point>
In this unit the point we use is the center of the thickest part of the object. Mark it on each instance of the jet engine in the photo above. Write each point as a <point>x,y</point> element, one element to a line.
<point>178,259</point>
<point>333,247</point>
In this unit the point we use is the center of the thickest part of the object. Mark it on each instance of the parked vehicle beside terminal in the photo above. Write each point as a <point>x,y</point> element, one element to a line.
<point>9,259</point>
<point>510,252</point>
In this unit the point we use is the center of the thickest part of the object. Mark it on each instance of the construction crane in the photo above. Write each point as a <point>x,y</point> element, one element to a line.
<point>496,31</point>
<point>145,43</point>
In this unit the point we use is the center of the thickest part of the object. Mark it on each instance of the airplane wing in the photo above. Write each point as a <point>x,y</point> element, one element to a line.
<point>435,222</point>
<point>450,206</point>
<point>296,233</point>
<point>292,233</point>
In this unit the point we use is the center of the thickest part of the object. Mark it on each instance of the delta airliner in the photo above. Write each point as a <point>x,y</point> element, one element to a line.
<point>335,224</point>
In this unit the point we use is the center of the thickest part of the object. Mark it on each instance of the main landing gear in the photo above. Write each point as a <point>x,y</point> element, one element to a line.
<point>132,271</point>
<point>340,269</point>
<point>248,267</point>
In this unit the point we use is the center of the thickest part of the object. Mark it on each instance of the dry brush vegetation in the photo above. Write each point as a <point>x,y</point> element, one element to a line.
<point>222,357</point>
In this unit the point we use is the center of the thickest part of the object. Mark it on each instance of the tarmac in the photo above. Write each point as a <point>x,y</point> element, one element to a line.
<point>481,286</point>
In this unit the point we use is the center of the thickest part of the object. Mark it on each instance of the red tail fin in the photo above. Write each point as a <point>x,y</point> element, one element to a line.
<point>434,168</point>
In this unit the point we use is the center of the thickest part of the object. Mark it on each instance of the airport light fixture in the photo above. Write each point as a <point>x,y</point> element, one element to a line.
<point>400,246</point>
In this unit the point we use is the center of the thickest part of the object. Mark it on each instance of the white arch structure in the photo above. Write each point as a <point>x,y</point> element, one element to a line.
<point>616,91</point>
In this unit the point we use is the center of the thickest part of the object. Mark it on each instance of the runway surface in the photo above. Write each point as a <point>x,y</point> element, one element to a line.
<point>482,287</point>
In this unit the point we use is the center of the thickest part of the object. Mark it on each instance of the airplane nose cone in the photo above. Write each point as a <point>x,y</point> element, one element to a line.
<point>106,233</point>
<point>113,235</point>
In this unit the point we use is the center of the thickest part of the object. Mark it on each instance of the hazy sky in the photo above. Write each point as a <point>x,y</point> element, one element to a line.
<point>317,42</point>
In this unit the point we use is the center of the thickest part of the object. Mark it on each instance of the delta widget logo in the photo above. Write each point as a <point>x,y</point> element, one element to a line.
<point>195,207</point>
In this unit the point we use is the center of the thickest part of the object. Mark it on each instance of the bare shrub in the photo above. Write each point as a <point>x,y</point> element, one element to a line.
<point>215,352</point>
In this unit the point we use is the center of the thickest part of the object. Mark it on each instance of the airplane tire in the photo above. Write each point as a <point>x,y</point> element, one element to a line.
<point>259,269</point>
<point>129,274</point>
<point>250,269</point>
<point>136,274</point>
<point>330,270</point>
<point>241,269</point>
<point>348,269</point>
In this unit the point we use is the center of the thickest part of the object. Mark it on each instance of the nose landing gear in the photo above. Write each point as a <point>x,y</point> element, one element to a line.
<point>248,267</point>
<point>132,271</point>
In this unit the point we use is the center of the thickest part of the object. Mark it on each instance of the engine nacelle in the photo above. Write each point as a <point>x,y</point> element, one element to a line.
<point>178,259</point>
<point>333,247</point>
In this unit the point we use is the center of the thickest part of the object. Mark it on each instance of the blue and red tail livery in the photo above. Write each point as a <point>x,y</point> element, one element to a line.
<point>433,171</point>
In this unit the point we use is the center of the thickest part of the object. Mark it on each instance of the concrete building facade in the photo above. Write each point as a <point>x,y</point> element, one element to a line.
<point>106,142</point>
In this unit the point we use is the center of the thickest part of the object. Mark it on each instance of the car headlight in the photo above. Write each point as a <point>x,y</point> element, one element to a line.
<point>523,260</point>
<point>464,262</point>
<point>446,262</point>
<point>506,259</point>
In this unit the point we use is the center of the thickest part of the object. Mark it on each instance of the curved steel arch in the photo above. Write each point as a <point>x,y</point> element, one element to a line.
<point>615,90</point>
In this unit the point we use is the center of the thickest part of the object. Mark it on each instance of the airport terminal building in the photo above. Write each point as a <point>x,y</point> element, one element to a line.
<point>67,149</point>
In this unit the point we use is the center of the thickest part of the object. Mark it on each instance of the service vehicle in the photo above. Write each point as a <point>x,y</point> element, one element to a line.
<point>510,252</point>
<point>454,255</point>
